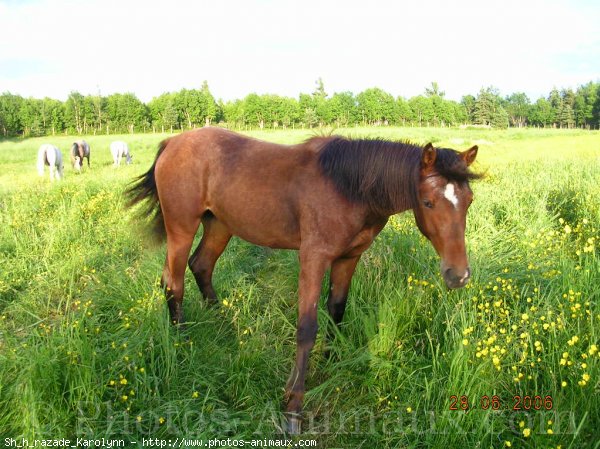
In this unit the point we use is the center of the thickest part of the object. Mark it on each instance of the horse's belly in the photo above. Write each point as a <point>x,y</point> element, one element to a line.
<point>273,235</point>
<point>260,226</point>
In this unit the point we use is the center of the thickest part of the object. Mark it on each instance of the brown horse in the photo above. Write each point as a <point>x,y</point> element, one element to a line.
<point>328,197</point>
<point>79,150</point>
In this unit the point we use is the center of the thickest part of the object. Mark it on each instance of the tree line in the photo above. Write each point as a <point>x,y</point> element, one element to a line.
<point>191,108</point>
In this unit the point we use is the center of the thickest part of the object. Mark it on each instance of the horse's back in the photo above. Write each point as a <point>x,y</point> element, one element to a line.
<point>46,147</point>
<point>118,148</point>
<point>118,145</point>
<point>231,155</point>
<point>83,145</point>
<point>49,153</point>
<point>256,188</point>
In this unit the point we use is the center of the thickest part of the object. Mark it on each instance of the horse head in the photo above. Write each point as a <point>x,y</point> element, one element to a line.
<point>444,196</point>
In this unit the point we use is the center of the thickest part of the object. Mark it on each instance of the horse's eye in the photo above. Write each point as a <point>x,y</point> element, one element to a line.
<point>428,204</point>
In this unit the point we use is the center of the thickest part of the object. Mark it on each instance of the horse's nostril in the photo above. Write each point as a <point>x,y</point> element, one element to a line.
<point>466,276</point>
<point>456,280</point>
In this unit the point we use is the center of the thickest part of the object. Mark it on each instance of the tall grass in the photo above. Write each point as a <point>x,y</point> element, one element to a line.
<point>86,348</point>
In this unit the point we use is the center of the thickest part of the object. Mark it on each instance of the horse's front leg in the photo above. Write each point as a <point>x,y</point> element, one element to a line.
<point>312,270</point>
<point>342,271</point>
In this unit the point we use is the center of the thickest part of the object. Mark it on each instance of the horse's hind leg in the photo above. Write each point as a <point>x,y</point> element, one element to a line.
<point>215,237</point>
<point>179,243</point>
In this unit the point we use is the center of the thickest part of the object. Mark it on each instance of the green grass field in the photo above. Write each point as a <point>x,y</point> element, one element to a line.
<point>86,349</point>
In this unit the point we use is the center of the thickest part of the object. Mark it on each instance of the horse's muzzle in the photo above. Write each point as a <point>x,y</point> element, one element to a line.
<point>456,279</point>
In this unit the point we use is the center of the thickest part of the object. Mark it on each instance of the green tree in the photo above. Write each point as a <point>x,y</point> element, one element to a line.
<point>518,108</point>
<point>460,113</point>
<point>310,117</point>
<point>321,105</point>
<point>234,114</point>
<point>30,114</point>
<point>93,113</point>
<point>126,112</point>
<point>343,108</point>
<point>285,111</point>
<point>189,106</point>
<point>403,110</point>
<point>484,106</point>
<point>499,118</point>
<point>208,105</point>
<point>542,113</point>
<point>488,109</point>
<point>434,90</point>
<point>555,101</point>
<point>596,111</point>
<point>10,109</point>
<point>320,89</point>
<point>162,112</point>
<point>254,108</point>
<point>468,103</point>
<point>422,110</point>
<point>585,98</point>
<point>435,96</point>
<point>376,106</point>
<point>55,116</point>
<point>565,116</point>
<point>308,110</point>
<point>75,112</point>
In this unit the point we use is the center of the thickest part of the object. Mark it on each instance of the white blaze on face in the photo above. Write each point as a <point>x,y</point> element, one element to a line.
<point>450,194</point>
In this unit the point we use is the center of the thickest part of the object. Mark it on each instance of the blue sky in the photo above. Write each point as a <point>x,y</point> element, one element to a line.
<point>50,47</point>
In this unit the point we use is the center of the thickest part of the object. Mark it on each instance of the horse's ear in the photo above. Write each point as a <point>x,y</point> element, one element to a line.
<point>428,156</point>
<point>469,155</point>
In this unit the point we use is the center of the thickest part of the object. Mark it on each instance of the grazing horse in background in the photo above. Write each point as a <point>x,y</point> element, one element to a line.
<point>79,150</point>
<point>328,197</point>
<point>51,156</point>
<point>118,149</point>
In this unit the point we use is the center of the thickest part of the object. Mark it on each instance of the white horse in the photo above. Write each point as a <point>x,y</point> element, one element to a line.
<point>119,149</point>
<point>51,156</point>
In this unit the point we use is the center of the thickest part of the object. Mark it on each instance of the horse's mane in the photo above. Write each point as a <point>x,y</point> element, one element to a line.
<point>384,175</point>
<point>449,165</point>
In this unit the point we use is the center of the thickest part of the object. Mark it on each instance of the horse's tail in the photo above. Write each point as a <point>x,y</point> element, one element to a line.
<point>143,188</point>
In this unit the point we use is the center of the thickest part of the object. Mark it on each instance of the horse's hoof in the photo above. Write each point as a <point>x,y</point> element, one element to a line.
<point>294,424</point>
<point>180,326</point>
